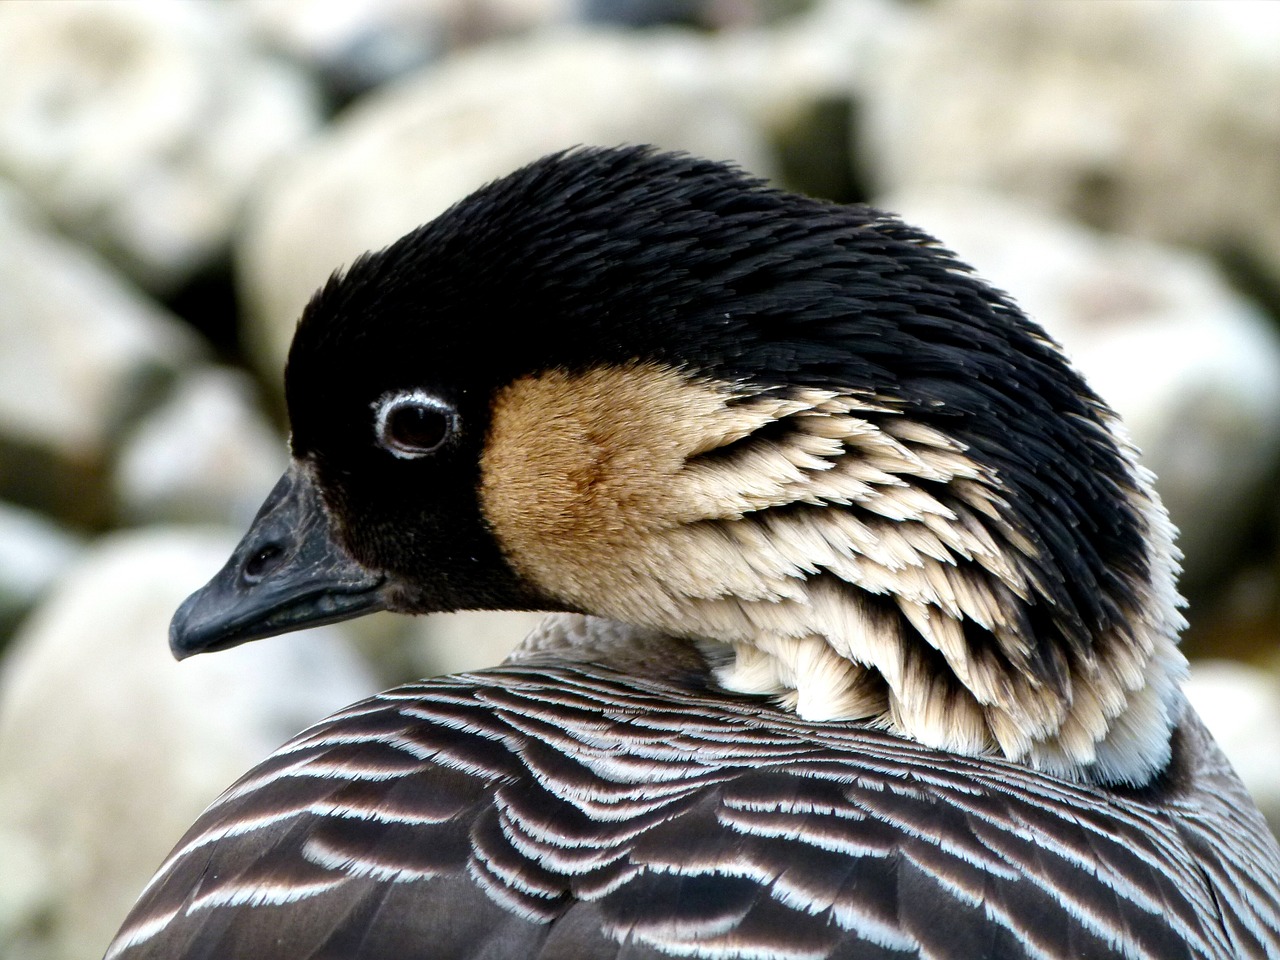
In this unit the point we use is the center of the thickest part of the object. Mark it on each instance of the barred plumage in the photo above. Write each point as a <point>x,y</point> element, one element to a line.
<point>658,817</point>
<point>866,642</point>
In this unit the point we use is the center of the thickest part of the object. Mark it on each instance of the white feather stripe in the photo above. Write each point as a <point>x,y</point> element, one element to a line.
<point>259,894</point>
<point>866,926</point>
<point>324,855</point>
<point>910,430</point>
<point>514,902</point>
<point>851,537</point>
<point>567,855</point>
<point>984,499</point>
<point>876,472</point>
<point>975,602</point>
<point>843,842</point>
<point>946,635</point>
<point>235,827</point>
<point>726,948</point>
<point>136,934</point>
<point>870,443</point>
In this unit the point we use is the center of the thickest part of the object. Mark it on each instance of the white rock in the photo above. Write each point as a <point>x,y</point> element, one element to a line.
<point>141,125</point>
<point>456,642</point>
<point>109,749</point>
<point>404,154</point>
<point>798,81</point>
<point>33,553</point>
<point>1152,119</point>
<point>80,352</point>
<point>1193,369</point>
<point>1240,705</point>
<point>207,455</point>
<point>356,46</point>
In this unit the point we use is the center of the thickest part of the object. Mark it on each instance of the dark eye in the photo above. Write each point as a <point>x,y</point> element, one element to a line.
<point>413,424</point>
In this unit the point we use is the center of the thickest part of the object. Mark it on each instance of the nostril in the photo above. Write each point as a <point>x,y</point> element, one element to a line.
<point>263,562</point>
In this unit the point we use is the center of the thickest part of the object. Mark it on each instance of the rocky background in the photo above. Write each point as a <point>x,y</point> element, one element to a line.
<point>176,177</point>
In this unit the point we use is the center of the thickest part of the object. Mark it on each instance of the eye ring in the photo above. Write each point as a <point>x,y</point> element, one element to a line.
<point>412,423</point>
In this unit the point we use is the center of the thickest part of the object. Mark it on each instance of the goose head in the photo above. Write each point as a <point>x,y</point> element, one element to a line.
<point>653,389</point>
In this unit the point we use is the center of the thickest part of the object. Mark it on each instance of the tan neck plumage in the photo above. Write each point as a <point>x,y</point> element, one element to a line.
<point>842,585</point>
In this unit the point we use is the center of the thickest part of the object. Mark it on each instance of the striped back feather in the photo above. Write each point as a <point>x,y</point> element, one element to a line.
<point>575,811</point>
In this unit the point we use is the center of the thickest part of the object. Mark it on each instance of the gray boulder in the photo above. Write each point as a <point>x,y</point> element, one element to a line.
<point>34,552</point>
<point>206,455</point>
<point>456,642</point>
<point>1152,119</point>
<point>1240,705</point>
<point>109,748</point>
<point>82,354</point>
<point>141,126</point>
<point>357,46</point>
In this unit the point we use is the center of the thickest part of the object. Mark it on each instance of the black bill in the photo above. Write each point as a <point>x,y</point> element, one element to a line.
<point>289,572</point>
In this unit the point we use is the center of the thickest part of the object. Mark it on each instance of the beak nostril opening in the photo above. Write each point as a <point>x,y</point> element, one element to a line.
<point>263,562</point>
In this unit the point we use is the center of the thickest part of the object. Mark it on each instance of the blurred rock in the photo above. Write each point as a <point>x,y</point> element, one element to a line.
<point>721,15</point>
<point>799,83</point>
<point>405,153</point>
<point>1193,369</point>
<point>1152,119</point>
<point>33,553</point>
<point>207,455</point>
<point>355,47</point>
<point>457,642</point>
<point>81,355</point>
<point>140,126</point>
<point>109,749</point>
<point>1241,707</point>
<point>657,13</point>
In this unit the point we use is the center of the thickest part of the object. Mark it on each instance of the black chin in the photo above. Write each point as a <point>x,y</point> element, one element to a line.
<point>287,573</point>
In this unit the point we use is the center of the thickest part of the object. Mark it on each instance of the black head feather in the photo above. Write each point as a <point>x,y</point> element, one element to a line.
<point>612,256</point>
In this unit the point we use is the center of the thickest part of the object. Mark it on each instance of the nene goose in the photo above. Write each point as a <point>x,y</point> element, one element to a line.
<point>863,633</point>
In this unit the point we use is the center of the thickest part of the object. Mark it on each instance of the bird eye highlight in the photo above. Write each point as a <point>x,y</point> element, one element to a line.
<point>414,424</point>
